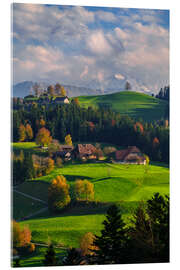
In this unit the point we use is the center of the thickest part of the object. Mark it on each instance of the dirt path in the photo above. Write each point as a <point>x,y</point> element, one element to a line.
<point>29,196</point>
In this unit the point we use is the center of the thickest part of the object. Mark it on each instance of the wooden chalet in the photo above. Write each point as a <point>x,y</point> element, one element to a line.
<point>85,151</point>
<point>131,155</point>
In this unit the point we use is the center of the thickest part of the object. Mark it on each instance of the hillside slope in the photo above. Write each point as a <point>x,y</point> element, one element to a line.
<point>134,104</point>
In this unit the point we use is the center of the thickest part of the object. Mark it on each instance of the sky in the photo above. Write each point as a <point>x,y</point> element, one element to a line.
<point>91,46</point>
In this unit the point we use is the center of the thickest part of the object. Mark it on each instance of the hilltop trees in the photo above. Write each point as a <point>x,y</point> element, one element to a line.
<point>63,91</point>
<point>50,90</point>
<point>58,194</point>
<point>43,137</point>
<point>127,86</point>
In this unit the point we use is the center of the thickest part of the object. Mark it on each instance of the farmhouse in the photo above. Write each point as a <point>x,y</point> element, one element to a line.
<point>64,152</point>
<point>85,151</point>
<point>131,155</point>
<point>61,100</point>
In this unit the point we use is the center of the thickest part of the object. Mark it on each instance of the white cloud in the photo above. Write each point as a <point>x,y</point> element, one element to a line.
<point>106,16</point>
<point>69,44</point>
<point>98,44</point>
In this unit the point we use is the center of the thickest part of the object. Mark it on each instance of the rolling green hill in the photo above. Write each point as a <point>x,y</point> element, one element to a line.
<point>123,184</point>
<point>129,103</point>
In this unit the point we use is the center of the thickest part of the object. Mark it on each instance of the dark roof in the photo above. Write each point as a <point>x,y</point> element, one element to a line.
<point>60,98</point>
<point>122,154</point>
<point>86,148</point>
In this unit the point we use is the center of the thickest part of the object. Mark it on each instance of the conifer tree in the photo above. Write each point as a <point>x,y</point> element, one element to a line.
<point>74,257</point>
<point>50,256</point>
<point>111,245</point>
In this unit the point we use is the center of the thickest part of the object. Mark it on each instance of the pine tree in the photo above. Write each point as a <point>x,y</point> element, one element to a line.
<point>50,257</point>
<point>28,168</point>
<point>74,257</point>
<point>112,243</point>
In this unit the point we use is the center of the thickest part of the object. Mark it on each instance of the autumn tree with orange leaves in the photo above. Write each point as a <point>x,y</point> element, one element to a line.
<point>86,244</point>
<point>58,194</point>
<point>43,137</point>
<point>138,127</point>
<point>29,132</point>
<point>21,237</point>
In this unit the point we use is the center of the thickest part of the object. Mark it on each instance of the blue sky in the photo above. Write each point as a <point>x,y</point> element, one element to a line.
<point>91,46</point>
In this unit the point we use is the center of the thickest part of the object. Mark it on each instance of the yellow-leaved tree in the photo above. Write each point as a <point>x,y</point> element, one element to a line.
<point>29,132</point>
<point>84,190</point>
<point>58,194</point>
<point>86,243</point>
<point>43,137</point>
<point>22,133</point>
<point>68,140</point>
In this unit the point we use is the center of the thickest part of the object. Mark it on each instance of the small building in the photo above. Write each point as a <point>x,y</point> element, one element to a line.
<point>64,151</point>
<point>85,151</point>
<point>61,100</point>
<point>131,155</point>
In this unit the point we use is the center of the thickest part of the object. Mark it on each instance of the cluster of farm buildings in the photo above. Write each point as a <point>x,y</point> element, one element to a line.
<point>130,155</point>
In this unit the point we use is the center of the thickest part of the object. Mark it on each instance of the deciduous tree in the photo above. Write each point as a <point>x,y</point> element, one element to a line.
<point>63,91</point>
<point>86,243</point>
<point>43,137</point>
<point>50,90</point>
<point>22,133</point>
<point>29,132</point>
<point>84,190</point>
<point>58,194</point>
<point>68,140</point>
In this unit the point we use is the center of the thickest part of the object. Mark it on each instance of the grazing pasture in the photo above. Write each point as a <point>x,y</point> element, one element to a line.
<point>129,103</point>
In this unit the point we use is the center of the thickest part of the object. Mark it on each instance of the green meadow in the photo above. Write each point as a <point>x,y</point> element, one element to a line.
<point>113,183</point>
<point>129,103</point>
<point>125,185</point>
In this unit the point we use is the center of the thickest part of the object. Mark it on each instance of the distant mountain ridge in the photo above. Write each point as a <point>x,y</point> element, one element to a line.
<point>114,85</point>
<point>23,89</point>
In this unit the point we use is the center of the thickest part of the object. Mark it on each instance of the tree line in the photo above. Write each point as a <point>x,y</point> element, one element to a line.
<point>95,125</point>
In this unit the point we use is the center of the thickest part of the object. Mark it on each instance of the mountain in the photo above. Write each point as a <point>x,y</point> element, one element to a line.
<point>116,83</point>
<point>133,104</point>
<point>23,89</point>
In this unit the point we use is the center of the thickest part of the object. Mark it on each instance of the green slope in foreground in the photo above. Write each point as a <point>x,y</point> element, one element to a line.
<point>123,184</point>
<point>129,103</point>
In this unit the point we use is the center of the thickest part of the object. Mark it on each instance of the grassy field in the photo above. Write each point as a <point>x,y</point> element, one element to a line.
<point>129,103</point>
<point>23,206</point>
<point>125,185</point>
<point>30,147</point>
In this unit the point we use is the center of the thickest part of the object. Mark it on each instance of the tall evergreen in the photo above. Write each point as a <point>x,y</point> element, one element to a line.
<point>28,168</point>
<point>111,245</point>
